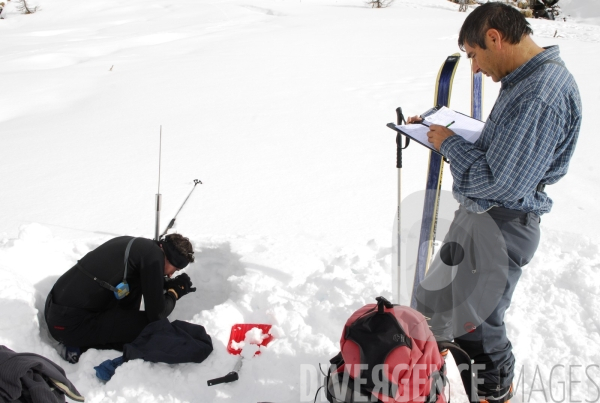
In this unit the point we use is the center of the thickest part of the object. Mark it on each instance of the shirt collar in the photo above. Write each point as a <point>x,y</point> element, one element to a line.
<point>549,53</point>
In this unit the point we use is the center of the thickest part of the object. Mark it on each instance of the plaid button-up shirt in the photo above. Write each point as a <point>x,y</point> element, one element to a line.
<point>528,139</point>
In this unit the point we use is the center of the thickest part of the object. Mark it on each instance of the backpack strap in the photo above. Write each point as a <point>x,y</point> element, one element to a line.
<point>103,283</point>
<point>127,249</point>
<point>339,385</point>
<point>462,359</point>
<point>337,360</point>
<point>383,303</point>
<point>438,382</point>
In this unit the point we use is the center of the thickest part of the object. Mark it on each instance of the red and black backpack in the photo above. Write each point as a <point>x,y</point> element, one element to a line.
<point>389,355</point>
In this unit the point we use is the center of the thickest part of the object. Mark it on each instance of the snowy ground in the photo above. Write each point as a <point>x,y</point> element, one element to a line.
<point>279,107</point>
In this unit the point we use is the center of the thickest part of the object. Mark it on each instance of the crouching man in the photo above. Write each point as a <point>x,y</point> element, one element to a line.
<point>96,304</point>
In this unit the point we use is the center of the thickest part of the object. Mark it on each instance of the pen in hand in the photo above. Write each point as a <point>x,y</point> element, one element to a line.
<point>450,124</point>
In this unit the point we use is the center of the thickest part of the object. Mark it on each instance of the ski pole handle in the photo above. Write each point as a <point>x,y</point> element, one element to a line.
<point>230,377</point>
<point>400,120</point>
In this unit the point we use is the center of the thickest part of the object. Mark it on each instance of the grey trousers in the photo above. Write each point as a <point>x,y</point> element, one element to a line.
<point>470,284</point>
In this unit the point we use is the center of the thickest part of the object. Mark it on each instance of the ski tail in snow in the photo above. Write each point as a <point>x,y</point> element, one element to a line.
<point>443,89</point>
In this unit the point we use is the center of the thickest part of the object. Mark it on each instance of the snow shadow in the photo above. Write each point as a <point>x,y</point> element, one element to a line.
<point>42,289</point>
<point>262,10</point>
<point>18,325</point>
<point>209,273</point>
<point>276,274</point>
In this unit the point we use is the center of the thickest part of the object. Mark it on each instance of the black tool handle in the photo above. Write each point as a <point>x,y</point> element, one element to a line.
<point>230,377</point>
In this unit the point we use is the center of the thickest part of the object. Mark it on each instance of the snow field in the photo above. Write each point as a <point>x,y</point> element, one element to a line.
<point>279,107</point>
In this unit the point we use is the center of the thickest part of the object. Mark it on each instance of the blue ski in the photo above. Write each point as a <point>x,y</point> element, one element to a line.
<point>476,95</point>
<point>443,89</point>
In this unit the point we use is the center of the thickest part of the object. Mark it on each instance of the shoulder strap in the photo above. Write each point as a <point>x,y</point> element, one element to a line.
<point>127,249</point>
<point>103,283</point>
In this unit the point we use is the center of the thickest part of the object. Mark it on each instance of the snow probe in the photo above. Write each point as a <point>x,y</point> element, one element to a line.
<point>172,222</point>
<point>158,196</point>
<point>238,335</point>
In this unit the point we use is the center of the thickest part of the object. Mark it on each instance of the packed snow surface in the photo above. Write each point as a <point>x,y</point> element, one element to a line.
<point>279,107</point>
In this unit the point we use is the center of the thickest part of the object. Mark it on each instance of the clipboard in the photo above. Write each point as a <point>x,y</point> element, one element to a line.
<point>465,126</point>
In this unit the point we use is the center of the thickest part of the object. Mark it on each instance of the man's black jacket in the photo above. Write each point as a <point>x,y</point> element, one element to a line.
<point>145,276</point>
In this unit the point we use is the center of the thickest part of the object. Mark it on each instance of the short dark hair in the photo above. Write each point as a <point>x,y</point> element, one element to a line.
<point>492,15</point>
<point>182,244</point>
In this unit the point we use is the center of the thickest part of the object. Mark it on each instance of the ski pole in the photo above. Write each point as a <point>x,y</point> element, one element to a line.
<point>172,222</point>
<point>400,120</point>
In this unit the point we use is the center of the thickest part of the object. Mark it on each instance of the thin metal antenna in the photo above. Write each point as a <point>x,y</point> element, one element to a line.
<point>158,195</point>
<point>159,157</point>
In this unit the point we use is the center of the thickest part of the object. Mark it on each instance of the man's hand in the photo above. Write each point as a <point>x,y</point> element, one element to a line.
<point>414,119</point>
<point>182,285</point>
<point>437,134</point>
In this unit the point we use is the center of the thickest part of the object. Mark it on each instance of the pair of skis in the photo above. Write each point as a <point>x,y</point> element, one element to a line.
<point>433,186</point>
<point>443,90</point>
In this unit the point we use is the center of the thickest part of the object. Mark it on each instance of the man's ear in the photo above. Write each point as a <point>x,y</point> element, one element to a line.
<point>494,38</point>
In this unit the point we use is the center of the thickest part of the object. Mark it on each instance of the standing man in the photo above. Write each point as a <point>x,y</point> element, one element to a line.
<point>89,306</point>
<point>499,181</point>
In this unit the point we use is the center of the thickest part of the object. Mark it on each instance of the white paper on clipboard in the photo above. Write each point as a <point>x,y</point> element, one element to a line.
<point>468,128</point>
<point>465,126</point>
